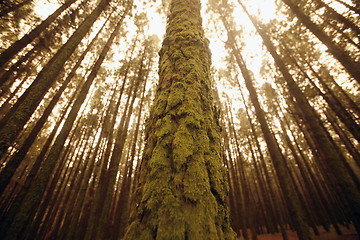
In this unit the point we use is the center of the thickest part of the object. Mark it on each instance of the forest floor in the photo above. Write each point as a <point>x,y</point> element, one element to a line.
<point>348,234</point>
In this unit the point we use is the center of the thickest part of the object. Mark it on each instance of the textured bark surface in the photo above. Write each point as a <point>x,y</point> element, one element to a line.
<point>183,185</point>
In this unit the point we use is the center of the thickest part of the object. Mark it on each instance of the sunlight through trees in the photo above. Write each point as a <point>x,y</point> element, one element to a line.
<point>179,119</point>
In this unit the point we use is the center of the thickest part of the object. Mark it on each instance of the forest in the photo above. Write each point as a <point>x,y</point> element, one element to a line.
<point>179,119</point>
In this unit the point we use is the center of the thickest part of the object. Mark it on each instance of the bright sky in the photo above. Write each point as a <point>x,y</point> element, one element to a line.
<point>157,24</point>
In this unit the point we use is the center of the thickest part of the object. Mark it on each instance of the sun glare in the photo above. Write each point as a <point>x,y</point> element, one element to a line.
<point>157,22</point>
<point>44,8</point>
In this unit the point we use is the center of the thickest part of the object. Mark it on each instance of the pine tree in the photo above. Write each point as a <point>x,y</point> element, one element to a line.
<point>12,123</point>
<point>333,157</point>
<point>352,66</point>
<point>33,197</point>
<point>25,40</point>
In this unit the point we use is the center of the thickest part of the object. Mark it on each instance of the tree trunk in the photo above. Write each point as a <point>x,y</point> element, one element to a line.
<point>16,47</point>
<point>351,66</point>
<point>334,103</point>
<point>14,121</point>
<point>354,9</point>
<point>10,168</point>
<point>13,8</point>
<point>332,157</point>
<point>122,207</point>
<point>344,138</point>
<point>33,197</point>
<point>182,187</point>
<point>4,77</point>
<point>291,198</point>
<point>340,18</point>
<point>107,181</point>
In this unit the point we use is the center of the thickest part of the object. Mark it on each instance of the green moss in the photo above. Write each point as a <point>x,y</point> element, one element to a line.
<point>160,155</point>
<point>176,55</point>
<point>136,231</point>
<point>165,126</point>
<point>160,106</point>
<point>175,231</point>
<point>176,96</point>
<point>184,185</point>
<point>196,181</point>
<point>182,147</point>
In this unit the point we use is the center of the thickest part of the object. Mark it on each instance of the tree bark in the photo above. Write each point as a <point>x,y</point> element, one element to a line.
<point>182,187</point>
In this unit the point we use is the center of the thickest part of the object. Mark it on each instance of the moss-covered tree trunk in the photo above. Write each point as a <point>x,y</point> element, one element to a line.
<point>182,185</point>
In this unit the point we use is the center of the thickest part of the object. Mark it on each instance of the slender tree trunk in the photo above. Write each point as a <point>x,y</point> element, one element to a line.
<point>315,180</point>
<point>268,179</point>
<point>83,222</point>
<point>15,67</point>
<point>74,207</point>
<point>14,121</point>
<point>344,139</point>
<point>323,141</point>
<point>122,208</point>
<point>329,78</point>
<point>276,156</point>
<point>238,194</point>
<point>351,66</point>
<point>13,8</point>
<point>105,192</point>
<point>10,168</point>
<point>347,23</point>
<point>33,197</point>
<point>16,47</point>
<point>354,9</point>
<point>334,103</point>
<point>6,218</point>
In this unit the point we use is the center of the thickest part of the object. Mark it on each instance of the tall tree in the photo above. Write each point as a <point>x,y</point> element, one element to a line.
<point>12,123</point>
<point>33,197</point>
<point>182,187</point>
<point>352,66</point>
<point>16,159</point>
<point>332,157</point>
<point>29,37</point>
<point>292,199</point>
